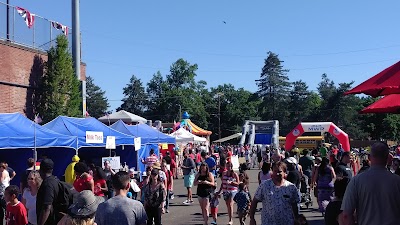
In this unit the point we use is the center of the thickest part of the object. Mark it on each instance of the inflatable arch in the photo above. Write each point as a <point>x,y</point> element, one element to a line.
<point>317,127</point>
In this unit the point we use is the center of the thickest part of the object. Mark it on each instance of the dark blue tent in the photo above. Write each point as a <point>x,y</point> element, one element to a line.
<point>92,153</point>
<point>145,132</point>
<point>18,135</point>
<point>78,127</point>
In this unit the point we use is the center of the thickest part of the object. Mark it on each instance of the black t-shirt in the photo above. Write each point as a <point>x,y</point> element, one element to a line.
<point>332,212</point>
<point>343,170</point>
<point>294,177</point>
<point>307,163</point>
<point>47,195</point>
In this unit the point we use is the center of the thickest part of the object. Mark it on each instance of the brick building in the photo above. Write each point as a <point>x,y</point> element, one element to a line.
<point>20,68</point>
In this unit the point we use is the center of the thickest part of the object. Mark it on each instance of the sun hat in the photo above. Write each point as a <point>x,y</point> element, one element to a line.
<point>157,165</point>
<point>291,160</point>
<point>86,204</point>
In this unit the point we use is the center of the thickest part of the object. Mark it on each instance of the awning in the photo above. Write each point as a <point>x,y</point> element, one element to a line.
<point>233,136</point>
<point>387,104</point>
<point>384,83</point>
<point>123,115</point>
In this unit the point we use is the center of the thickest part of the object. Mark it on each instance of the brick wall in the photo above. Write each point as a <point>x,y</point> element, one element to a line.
<point>20,68</point>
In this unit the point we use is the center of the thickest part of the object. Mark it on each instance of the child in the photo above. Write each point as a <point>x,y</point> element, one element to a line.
<point>15,212</point>
<point>214,207</point>
<point>242,199</point>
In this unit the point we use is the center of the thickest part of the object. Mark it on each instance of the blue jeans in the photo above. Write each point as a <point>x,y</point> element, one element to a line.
<point>167,200</point>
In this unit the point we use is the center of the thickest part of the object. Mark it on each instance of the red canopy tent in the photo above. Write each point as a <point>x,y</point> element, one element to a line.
<point>387,104</point>
<point>384,83</point>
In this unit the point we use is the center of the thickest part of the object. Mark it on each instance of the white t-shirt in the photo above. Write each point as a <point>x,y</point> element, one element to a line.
<point>277,202</point>
<point>5,183</point>
<point>30,205</point>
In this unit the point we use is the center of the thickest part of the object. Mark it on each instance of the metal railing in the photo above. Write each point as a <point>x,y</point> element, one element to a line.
<point>41,36</point>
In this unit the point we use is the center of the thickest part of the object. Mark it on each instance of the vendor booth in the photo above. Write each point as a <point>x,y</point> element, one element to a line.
<point>123,115</point>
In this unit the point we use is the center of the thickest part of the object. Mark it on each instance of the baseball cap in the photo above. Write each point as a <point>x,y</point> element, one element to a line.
<point>47,164</point>
<point>85,205</point>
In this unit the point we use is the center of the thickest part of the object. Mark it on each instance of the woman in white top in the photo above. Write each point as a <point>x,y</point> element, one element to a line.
<point>4,183</point>
<point>29,195</point>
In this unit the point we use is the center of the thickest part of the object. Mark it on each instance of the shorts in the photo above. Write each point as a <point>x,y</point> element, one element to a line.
<point>188,180</point>
<point>243,213</point>
<point>229,195</point>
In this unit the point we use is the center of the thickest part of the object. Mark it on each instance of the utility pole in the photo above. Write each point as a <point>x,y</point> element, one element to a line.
<point>76,50</point>
<point>219,94</point>
<point>180,112</point>
<point>8,20</point>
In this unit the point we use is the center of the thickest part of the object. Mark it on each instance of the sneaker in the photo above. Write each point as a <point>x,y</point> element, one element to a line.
<point>167,211</point>
<point>172,197</point>
<point>191,201</point>
<point>214,223</point>
<point>186,202</point>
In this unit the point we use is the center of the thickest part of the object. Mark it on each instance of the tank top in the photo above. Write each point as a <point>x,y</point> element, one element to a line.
<point>227,187</point>
<point>5,183</point>
<point>203,190</point>
<point>264,176</point>
<point>324,180</point>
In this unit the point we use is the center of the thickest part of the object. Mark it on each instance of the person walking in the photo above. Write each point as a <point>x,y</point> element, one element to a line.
<point>29,196</point>
<point>279,198</point>
<point>373,195</point>
<point>265,173</point>
<point>325,178</point>
<point>229,187</point>
<point>4,183</point>
<point>188,167</point>
<point>205,183</point>
<point>154,196</point>
<point>243,200</point>
<point>120,210</point>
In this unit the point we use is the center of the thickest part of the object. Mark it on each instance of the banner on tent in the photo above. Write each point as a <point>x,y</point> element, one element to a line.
<point>138,143</point>
<point>164,146</point>
<point>110,142</point>
<point>94,137</point>
<point>115,162</point>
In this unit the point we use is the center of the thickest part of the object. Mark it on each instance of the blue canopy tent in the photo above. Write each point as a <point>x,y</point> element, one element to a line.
<point>90,152</point>
<point>19,137</point>
<point>145,132</point>
<point>150,138</point>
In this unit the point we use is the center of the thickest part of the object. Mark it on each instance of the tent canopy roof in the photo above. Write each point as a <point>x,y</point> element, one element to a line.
<point>17,131</point>
<point>230,137</point>
<point>144,131</point>
<point>182,135</point>
<point>123,115</point>
<point>387,104</point>
<point>384,83</point>
<point>78,127</point>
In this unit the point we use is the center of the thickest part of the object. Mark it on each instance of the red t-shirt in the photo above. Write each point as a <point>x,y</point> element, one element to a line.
<point>192,156</point>
<point>16,214</point>
<point>80,183</point>
<point>229,156</point>
<point>198,158</point>
<point>335,151</point>
<point>173,164</point>
<point>97,187</point>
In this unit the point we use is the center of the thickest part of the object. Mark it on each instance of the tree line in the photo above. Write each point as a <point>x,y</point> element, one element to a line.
<point>166,96</point>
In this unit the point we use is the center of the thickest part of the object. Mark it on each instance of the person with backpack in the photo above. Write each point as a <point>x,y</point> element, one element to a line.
<point>53,197</point>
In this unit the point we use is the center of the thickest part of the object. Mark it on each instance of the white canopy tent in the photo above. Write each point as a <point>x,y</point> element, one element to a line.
<point>123,115</point>
<point>182,135</point>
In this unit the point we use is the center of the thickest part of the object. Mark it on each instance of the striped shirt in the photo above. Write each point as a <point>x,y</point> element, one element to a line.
<point>227,187</point>
<point>151,160</point>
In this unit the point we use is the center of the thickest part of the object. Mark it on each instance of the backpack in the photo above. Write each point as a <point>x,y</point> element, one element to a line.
<point>65,197</point>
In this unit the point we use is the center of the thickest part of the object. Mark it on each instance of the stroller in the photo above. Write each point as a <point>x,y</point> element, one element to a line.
<point>305,191</point>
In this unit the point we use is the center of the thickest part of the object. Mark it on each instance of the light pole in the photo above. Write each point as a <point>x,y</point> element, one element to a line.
<point>8,20</point>
<point>219,94</point>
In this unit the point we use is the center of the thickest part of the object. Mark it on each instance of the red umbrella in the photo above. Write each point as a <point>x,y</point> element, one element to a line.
<point>387,104</point>
<point>384,83</point>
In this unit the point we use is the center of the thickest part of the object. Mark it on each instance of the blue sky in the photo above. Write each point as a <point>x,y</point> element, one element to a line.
<point>348,40</point>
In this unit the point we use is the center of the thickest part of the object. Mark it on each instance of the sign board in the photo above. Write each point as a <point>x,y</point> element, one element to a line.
<point>94,137</point>
<point>110,142</point>
<point>138,143</point>
<point>316,127</point>
<point>164,146</point>
<point>115,162</point>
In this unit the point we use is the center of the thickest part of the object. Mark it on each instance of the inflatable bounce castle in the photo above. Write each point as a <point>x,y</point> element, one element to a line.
<point>190,126</point>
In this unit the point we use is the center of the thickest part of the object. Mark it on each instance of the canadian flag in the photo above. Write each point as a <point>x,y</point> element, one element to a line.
<point>59,26</point>
<point>28,17</point>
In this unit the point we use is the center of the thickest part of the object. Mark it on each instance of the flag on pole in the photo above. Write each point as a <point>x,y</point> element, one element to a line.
<point>59,26</point>
<point>87,114</point>
<point>38,119</point>
<point>27,16</point>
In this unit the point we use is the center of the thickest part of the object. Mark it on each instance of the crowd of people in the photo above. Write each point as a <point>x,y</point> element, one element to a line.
<point>346,193</point>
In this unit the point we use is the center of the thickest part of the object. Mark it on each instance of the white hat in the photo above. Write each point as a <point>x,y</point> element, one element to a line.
<point>144,174</point>
<point>291,160</point>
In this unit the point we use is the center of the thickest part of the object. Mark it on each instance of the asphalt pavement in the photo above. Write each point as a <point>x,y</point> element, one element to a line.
<point>181,214</point>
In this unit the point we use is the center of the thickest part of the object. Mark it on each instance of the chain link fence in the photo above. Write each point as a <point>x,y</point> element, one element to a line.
<point>41,35</point>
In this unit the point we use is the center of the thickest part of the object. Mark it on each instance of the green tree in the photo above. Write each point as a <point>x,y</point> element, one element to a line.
<point>135,97</point>
<point>60,93</point>
<point>97,102</point>
<point>299,103</point>
<point>273,88</point>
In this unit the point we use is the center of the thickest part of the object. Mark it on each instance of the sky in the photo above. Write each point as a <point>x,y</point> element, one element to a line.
<point>348,40</point>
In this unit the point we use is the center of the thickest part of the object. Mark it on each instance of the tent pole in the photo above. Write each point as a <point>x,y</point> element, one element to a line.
<point>34,145</point>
